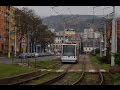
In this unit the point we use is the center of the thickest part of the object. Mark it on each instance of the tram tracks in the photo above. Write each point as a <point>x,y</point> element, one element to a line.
<point>89,78</point>
<point>84,78</point>
<point>107,79</point>
<point>48,78</point>
<point>18,79</point>
<point>82,74</point>
<point>63,77</point>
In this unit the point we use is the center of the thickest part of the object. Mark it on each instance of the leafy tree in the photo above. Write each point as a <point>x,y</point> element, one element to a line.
<point>30,25</point>
<point>43,36</point>
<point>26,21</point>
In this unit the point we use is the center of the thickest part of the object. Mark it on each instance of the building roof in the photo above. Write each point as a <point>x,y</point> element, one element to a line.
<point>60,33</point>
<point>72,35</point>
<point>70,29</point>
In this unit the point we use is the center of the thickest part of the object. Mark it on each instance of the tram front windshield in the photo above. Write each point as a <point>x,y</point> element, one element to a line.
<point>68,50</point>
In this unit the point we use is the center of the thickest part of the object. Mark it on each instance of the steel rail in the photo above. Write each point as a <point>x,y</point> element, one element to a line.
<point>8,80</point>
<point>101,78</point>
<point>110,76</point>
<point>32,78</point>
<point>82,75</point>
<point>27,80</point>
<point>56,79</point>
<point>14,80</point>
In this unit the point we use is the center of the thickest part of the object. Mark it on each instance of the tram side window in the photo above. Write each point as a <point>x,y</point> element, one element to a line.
<point>68,50</point>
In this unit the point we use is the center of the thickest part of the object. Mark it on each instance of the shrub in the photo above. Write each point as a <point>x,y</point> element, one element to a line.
<point>117,58</point>
<point>105,59</point>
<point>97,51</point>
<point>93,54</point>
<point>115,69</point>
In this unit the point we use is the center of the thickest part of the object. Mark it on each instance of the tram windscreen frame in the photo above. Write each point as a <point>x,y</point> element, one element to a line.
<point>68,50</point>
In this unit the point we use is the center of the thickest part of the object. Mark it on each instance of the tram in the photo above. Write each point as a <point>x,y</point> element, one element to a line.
<point>70,53</point>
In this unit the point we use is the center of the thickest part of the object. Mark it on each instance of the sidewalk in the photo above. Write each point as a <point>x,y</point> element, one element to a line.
<point>9,61</point>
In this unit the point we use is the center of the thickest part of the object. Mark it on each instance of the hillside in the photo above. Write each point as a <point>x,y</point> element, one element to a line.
<point>77,22</point>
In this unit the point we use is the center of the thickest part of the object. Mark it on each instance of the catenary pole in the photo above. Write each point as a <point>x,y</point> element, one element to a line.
<point>113,49</point>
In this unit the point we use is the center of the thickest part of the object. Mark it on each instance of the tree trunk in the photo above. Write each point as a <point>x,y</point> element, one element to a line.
<point>20,48</point>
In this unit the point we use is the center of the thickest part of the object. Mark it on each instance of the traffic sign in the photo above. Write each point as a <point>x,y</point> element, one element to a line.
<point>24,45</point>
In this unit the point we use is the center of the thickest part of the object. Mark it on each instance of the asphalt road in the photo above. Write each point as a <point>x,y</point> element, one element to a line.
<point>10,61</point>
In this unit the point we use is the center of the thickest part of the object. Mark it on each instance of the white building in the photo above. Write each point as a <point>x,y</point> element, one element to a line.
<point>59,37</point>
<point>52,30</point>
<point>70,36</point>
<point>88,33</point>
<point>90,40</point>
<point>88,49</point>
<point>97,34</point>
<point>58,41</point>
<point>90,44</point>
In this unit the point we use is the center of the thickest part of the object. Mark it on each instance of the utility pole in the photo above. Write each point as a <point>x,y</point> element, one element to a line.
<point>15,41</point>
<point>104,31</point>
<point>104,25</point>
<point>8,43</point>
<point>105,42</point>
<point>8,33</point>
<point>93,32</point>
<point>28,43</point>
<point>64,33</point>
<point>113,47</point>
<point>101,44</point>
<point>116,37</point>
<point>105,39</point>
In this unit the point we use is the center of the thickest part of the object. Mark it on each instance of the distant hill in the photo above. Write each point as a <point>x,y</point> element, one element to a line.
<point>77,22</point>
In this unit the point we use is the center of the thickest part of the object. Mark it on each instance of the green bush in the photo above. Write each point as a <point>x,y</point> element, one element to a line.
<point>115,69</point>
<point>104,59</point>
<point>117,58</point>
<point>97,51</point>
<point>93,54</point>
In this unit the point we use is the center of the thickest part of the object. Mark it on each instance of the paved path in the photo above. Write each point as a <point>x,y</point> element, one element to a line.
<point>9,61</point>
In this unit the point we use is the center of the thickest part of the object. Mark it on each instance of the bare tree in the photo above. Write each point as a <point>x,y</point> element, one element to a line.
<point>30,26</point>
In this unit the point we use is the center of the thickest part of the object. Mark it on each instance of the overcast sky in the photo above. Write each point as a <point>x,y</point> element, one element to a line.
<point>44,11</point>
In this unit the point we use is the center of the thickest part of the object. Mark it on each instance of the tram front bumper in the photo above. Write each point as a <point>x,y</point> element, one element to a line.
<point>69,60</point>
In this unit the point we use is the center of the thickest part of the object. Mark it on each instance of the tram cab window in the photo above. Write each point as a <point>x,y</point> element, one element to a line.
<point>68,50</point>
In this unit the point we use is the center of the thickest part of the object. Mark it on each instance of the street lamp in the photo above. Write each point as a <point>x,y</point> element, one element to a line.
<point>15,34</point>
<point>113,46</point>
<point>15,41</point>
<point>8,33</point>
<point>101,45</point>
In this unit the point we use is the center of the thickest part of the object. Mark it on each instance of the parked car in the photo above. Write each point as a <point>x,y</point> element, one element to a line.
<point>29,55</point>
<point>52,53</point>
<point>23,55</point>
<point>36,54</point>
<point>42,54</point>
<point>32,54</point>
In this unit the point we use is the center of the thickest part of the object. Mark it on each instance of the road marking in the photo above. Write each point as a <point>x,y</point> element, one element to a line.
<point>92,70</point>
<point>74,70</point>
<point>102,70</point>
<point>59,70</point>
